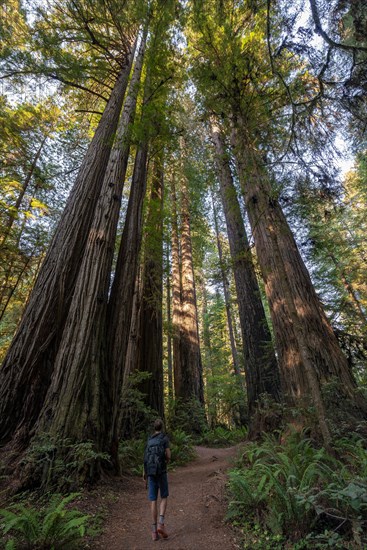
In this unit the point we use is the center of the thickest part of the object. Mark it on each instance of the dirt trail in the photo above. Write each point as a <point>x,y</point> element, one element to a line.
<point>195,511</point>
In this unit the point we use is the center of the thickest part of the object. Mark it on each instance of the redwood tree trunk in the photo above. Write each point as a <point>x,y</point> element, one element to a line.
<point>176,294</point>
<point>151,344</point>
<point>78,387</point>
<point>120,303</point>
<point>191,386</point>
<point>262,374</point>
<point>26,372</point>
<point>169,323</point>
<point>304,336</point>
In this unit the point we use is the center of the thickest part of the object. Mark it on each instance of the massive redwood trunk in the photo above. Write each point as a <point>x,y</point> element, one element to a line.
<point>120,304</point>
<point>262,374</point>
<point>77,398</point>
<point>26,372</point>
<point>307,347</point>
<point>151,330</point>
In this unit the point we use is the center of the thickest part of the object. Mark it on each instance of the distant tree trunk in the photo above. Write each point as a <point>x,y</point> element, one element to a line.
<point>120,303</point>
<point>301,327</point>
<point>26,372</point>
<point>212,412</point>
<point>262,374</point>
<point>176,294</point>
<point>77,390</point>
<point>169,331</point>
<point>192,386</point>
<point>227,298</point>
<point>151,344</point>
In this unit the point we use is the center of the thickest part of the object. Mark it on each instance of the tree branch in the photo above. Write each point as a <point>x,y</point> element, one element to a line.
<point>322,33</point>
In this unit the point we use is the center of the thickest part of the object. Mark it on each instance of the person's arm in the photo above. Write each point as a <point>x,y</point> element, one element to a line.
<point>168,454</point>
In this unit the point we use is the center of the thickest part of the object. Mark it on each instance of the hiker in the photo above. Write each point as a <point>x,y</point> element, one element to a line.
<point>156,456</point>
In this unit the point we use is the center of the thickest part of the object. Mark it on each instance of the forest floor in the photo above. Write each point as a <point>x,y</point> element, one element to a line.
<point>195,513</point>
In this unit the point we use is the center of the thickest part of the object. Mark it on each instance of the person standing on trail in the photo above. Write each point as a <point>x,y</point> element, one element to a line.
<point>156,457</point>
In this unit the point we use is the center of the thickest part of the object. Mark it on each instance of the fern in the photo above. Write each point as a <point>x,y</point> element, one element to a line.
<point>55,527</point>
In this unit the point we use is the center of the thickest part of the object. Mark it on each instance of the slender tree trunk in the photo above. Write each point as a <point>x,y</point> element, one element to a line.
<point>227,299</point>
<point>262,374</point>
<point>192,386</point>
<point>77,390</point>
<point>151,352</point>
<point>300,324</point>
<point>212,409</point>
<point>26,372</point>
<point>169,323</point>
<point>176,294</point>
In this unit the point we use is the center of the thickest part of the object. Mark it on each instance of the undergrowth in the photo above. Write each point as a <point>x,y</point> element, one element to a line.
<point>54,527</point>
<point>223,437</point>
<point>293,491</point>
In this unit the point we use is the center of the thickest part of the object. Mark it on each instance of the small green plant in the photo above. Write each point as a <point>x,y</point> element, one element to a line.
<point>187,416</point>
<point>56,527</point>
<point>131,455</point>
<point>59,464</point>
<point>222,437</point>
<point>182,450</point>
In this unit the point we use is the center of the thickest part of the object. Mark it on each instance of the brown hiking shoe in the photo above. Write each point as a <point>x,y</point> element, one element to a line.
<point>155,535</point>
<point>162,530</point>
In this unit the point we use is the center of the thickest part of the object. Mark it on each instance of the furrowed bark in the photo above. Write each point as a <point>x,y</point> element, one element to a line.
<point>26,373</point>
<point>79,384</point>
<point>262,374</point>
<point>120,303</point>
<point>151,344</point>
<point>303,333</point>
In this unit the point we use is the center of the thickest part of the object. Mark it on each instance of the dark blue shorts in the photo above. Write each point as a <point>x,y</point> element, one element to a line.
<point>157,482</point>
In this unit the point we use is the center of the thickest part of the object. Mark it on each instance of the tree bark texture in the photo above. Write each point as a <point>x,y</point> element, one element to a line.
<point>262,373</point>
<point>27,369</point>
<point>302,330</point>
<point>169,323</point>
<point>120,303</point>
<point>191,386</point>
<point>176,294</point>
<point>151,343</point>
<point>80,379</point>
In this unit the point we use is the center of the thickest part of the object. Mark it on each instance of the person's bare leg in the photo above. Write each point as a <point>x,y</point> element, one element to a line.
<point>154,509</point>
<point>162,507</point>
<point>162,510</point>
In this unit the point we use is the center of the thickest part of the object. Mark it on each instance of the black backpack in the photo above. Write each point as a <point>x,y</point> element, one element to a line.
<point>155,455</point>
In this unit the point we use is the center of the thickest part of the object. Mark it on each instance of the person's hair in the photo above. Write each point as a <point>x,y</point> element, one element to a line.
<point>158,424</point>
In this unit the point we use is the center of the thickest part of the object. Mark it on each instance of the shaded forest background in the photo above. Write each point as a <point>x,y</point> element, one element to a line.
<point>182,232</point>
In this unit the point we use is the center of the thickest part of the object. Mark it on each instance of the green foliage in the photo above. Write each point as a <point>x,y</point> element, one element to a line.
<point>55,527</point>
<point>222,437</point>
<point>297,490</point>
<point>61,465</point>
<point>182,450</point>
<point>135,414</point>
<point>131,455</point>
<point>187,416</point>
